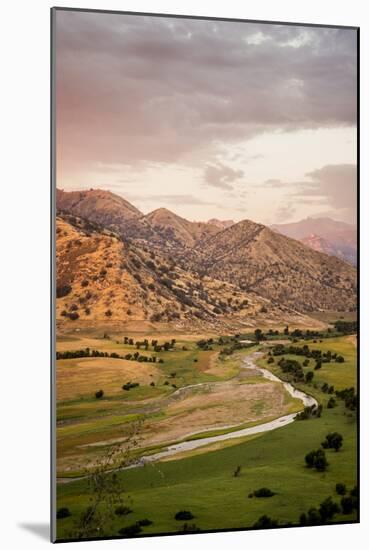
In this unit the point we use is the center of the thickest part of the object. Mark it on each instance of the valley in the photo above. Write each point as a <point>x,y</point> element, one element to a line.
<point>198,364</point>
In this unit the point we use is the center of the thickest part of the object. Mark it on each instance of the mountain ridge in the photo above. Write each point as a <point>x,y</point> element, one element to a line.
<point>246,254</point>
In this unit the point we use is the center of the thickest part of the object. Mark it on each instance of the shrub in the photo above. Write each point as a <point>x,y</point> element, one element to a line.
<point>333,441</point>
<point>84,283</point>
<point>328,509</point>
<point>99,394</point>
<point>331,403</point>
<point>63,290</point>
<point>130,530</point>
<point>309,376</point>
<point>183,515</point>
<point>237,471</point>
<point>347,505</point>
<point>317,460</point>
<point>144,522</point>
<point>63,513</point>
<point>265,522</point>
<point>340,489</point>
<point>108,313</point>
<point>73,316</point>
<point>264,492</point>
<point>122,510</point>
<point>130,385</point>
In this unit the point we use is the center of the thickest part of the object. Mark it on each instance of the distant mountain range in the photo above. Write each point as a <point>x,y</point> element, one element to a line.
<point>115,262</point>
<point>324,235</point>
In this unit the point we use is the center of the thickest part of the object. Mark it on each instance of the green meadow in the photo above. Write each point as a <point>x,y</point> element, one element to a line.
<point>203,482</point>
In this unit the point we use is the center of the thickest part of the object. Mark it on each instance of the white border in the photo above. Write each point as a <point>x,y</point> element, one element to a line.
<point>24,219</point>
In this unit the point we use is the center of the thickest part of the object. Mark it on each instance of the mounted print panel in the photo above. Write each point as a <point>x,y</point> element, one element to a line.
<point>204,188</point>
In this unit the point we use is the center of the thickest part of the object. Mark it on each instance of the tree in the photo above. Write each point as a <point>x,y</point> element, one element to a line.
<point>63,290</point>
<point>183,515</point>
<point>63,513</point>
<point>258,334</point>
<point>309,376</point>
<point>317,460</point>
<point>333,441</point>
<point>341,489</point>
<point>105,489</point>
<point>331,403</point>
<point>328,509</point>
<point>347,505</point>
<point>265,522</point>
<point>99,394</point>
<point>264,492</point>
<point>237,472</point>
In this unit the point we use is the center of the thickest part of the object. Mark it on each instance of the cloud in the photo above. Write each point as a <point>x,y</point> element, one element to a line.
<point>221,176</point>
<point>335,183</point>
<point>332,186</point>
<point>285,213</point>
<point>134,89</point>
<point>168,199</point>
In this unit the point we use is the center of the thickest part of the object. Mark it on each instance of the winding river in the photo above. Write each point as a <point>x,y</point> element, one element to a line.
<point>248,363</point>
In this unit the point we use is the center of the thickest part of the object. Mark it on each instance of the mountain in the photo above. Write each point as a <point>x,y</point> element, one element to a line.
<point>279,268</point>
<point>221,224</point>
<point>325,235</point>
<point>199,271</point>
<point>101,277</point>
<point>174,228</point>
<point>98,206</point>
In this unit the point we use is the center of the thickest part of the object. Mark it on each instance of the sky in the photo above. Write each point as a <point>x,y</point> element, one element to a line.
<point>211,119</point>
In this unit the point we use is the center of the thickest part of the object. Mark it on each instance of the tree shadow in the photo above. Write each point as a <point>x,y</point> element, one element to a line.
<point>42,530</point>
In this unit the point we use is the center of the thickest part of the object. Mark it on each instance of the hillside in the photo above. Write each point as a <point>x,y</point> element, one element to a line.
<point>177,229</point>
<point>182,259</point>
<point>279,268</point>
<point>324,235</point>
<point>100,277</point>
<point>96,205</point>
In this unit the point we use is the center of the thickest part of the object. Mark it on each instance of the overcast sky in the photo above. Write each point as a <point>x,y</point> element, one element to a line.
<point>208,118</point>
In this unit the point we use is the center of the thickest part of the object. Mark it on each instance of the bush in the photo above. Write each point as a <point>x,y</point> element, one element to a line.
<point>328,509</point>
<point>347,505</point>
<point>108,313</point>
<point>317,460</point>
<point>340,489</point>
<point>84,283</point>
<point>183,515</point>
<point>73,316</point>
<point>99,394</point>
<point>122,510</point>
<point>331,403</point>
<point>333,441</point>
<point>264,492</point>
<point>237,471</point>
<point>63,290</point>
<point>144,522</point>
<point>129,385</point>
<point>130,530</point>
<point>309,376</point>
<point>265,522</point>
<point>63,513</point>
